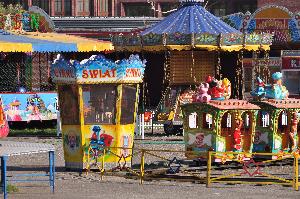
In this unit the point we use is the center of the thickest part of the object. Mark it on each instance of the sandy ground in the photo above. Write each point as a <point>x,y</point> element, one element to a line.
<point>71,185</point>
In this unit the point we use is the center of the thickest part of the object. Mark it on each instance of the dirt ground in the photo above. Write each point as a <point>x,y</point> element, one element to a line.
<point>71,185</point>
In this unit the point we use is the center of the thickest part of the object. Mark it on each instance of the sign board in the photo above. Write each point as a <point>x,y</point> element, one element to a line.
<point>30,106</point>
<point>272,62</point>
<point>290,59</point>
<point>98,69</point>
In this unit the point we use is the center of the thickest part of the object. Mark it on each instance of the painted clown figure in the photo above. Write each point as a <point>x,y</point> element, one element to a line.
<point>293,132</point>
<point>237,135</point>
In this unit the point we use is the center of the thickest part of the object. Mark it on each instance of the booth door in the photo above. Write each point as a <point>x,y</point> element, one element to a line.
<point>283,129</point>
<point>247,131</point>
<point>227,130</point>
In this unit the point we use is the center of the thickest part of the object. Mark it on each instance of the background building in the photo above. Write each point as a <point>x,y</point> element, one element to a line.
<point>131,8</point>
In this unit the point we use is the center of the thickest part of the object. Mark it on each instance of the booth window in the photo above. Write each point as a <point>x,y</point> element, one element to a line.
<point>99,104</point>
<point>193,121</point>
<point>264,119</point>
<point>128,104</point>
<point>207,121</point>
<point>68,104</point>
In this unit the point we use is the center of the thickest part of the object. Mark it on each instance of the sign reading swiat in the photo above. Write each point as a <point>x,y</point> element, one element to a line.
<point>98,69</point>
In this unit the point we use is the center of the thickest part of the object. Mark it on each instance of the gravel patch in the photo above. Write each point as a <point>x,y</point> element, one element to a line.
<point>72,185</point>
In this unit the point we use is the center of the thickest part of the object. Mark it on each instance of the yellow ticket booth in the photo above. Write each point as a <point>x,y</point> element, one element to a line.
<point>98,101</point>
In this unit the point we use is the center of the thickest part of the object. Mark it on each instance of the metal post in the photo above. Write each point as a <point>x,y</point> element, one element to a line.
<point>102,164</point>
<point>142,169</point>
<point>51,170</point>
<point>140,124</point>
<point>3,176</point>
<point>208,169</point>
<point>296,167</point>
<point>152,123</point>
<point>143,126</point>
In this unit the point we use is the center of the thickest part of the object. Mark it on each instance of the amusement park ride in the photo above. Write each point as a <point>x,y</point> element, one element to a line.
<point>267,123</point>
<point>192,40</point>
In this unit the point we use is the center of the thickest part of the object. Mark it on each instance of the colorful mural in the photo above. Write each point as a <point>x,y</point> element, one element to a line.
<point>269,19</point>
<point>30,106</point>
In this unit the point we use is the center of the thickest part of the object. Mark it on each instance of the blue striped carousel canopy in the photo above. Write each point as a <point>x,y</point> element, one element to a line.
<point>190,18</point>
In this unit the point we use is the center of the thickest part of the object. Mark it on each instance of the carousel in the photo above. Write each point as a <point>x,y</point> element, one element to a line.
<point>192,40</point>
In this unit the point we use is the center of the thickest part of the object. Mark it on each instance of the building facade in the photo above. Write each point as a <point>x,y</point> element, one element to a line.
<point>132,8</point>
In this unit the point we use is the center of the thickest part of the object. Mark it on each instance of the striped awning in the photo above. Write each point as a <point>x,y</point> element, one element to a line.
<point>50,42</point>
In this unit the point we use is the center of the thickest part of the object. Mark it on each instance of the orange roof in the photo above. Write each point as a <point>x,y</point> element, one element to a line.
<point>233,104</point>
<point>288,103</point>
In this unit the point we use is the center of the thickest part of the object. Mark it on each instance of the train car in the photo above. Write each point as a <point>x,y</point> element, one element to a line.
<point>220,126</point>
<point>278,127</point>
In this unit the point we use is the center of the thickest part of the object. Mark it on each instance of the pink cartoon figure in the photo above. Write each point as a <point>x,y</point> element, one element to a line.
<point>199,140</point>
<point>202,95</point>
<point>4,128</point>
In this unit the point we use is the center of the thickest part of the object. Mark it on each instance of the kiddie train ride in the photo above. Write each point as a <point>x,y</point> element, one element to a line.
<point>98,102</point>
<point>214,122</point>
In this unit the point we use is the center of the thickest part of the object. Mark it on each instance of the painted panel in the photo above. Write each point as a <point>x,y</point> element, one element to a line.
<point>72,144</point>
<point>30,106</point>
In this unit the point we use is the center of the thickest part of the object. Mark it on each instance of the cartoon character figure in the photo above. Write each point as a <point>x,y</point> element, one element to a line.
<point>227,88</point>
<point>8,22</point>
<point>34,112</point>
<point>202,95</point>
<point>277,90</point>
<point>199,140</point>
<point>126,141</point>
<point>237,135</point>
<point>186,97</point>
<point>260,89</point>
<point>4,128</point>
<point>99,140</point>
<point>34,22</point>
<point>72,141</point>
<point>18,23</point>
<point>293,132</point>
<point>216,91</point>
<point>26,21</point>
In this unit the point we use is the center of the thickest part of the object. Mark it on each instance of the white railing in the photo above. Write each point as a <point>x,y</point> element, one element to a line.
<point>141,125</point>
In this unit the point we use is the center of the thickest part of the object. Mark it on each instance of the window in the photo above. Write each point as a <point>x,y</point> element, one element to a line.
<point>68,104</point>
<point>284,119</point>
<point>165,7</point>
<point>193,121</point>
<point>207,121</point>
<point>226,121</point>
<point>68,7</point>
<point>264,119</point>
<point>128,104</point>
<point>99,104</point>
<point>42,4</point>
<point>138,10</point>
<point>246,120</point>
<point>58,6</point>
<point>292,81</point>
<point>82,5</point>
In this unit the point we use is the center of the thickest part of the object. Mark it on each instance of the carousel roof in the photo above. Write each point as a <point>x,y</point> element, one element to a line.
<point>192,27</point>
<point>191,18</point>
